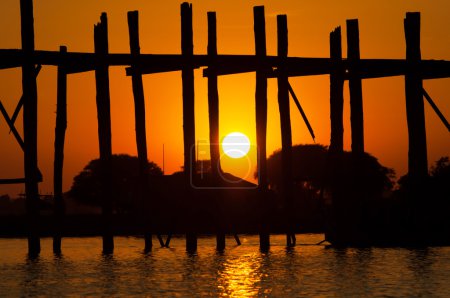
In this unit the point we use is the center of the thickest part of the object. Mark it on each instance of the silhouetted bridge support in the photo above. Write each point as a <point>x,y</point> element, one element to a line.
<point>29,88</point>
<point>281,67</point>
<point>141,136</point>
<point>286,133</point>
<point>60,133</point>
<point>414,72</point>
<point>415,116</point>
<point>262,71</point>
<point>336,148</point>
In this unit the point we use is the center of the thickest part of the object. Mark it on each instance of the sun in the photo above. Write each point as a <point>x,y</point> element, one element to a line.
<point>235,145</point>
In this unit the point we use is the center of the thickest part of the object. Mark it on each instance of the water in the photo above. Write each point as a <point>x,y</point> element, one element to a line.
<point>241,271</point>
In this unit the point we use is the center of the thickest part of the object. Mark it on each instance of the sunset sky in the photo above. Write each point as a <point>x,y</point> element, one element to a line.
<point>71,23</point>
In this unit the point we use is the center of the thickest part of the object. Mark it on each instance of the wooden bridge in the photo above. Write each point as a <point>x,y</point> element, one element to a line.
<point>281,67</point>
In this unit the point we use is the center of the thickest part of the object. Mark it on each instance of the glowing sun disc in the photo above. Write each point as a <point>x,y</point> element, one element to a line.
<point>235,145</point>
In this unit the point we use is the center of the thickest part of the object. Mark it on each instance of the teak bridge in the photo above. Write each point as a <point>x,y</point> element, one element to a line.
<point>280,67</point>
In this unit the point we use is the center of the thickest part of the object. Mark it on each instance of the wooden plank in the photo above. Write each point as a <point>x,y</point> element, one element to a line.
<point>153,69</point>
<point>60,134</point>
<point>29,88</point>
<point>141,137</point>
<point>415,115</point>
<point>434,69</point>
<point>355,85</point>
<point>261,120</point>
<point>226,64</point>
<point>104,128</point>
<point>12,181</point>
<point>187,75</point>
<point>223,70</point>
<point>286,133</point>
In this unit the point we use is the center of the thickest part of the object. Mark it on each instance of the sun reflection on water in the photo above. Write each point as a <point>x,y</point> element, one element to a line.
<point>239,271</point>
<point>241,276</point>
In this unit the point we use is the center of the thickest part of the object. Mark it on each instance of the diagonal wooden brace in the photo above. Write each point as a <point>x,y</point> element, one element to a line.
<point>20,103</point>
<point>19,140</point>
<point>11,126</point>
<point>297,103</point>
<point>436,109</point>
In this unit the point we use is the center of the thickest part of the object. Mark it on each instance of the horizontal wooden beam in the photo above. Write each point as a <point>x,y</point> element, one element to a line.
<point>223,64</point>
<point>378,68</point>
<point>12,181</point>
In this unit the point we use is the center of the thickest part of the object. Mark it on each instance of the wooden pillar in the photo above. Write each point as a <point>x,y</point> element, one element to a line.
<point>355,209</point>
<point>60,134</point>
<point>213,111</point>
<point>261,117</point>
<point>337,132</point>
<point>286,133</point>
<point>30,127</point>
<point>417,155</point>
<point>104,128</point>
<point>139,117</point>
<point>336,93</point>
<point>417,142</point>
<point>187,74</point>
<point>213,98</point>
<point>355,85</point>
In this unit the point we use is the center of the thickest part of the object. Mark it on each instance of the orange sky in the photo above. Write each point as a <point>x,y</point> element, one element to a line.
<point>71,23</point>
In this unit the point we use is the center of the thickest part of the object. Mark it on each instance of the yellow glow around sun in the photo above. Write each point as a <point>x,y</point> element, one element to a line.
<point>236,145</point>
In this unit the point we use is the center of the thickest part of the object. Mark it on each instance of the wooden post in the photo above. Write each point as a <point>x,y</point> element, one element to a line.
<point>104,128</point>
<point>60,133</point>
<point>30,127</point>
<point>187,74</point>
<point>355,85</point>
<point>213,111</point>
<point>337,131</point>
<point>139,116</point>
<point>415,116</point>
<point>213,98</point>
<point>355,207</point>
<point>417,155</point>
<point>336,93</point>
<point>286,134</point>
<point>261,117</point>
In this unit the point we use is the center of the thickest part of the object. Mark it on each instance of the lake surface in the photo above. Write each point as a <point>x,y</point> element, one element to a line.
<point>241,271</point>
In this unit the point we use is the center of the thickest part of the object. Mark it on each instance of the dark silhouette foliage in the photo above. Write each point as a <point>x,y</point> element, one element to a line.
<point>125,169</point>
<point>311,169</point>
<point>440,172</point>
<point>439,191</point>
<point>437,183</point>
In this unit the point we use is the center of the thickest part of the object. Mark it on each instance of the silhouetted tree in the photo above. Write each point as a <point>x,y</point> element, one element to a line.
<point>125,169</point>
<point>310,170</point>
<point>439,176</point>
<point>438,180</point>
<point>434,204</point>
<point>440,172</point>
<point>439,192</point>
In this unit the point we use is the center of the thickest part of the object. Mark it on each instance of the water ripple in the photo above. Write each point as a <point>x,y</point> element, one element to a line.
<point>241,271</point>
